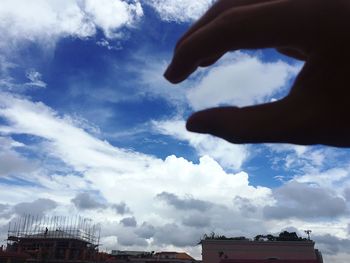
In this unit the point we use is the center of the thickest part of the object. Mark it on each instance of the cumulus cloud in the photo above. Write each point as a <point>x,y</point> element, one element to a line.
<point>196,220</point>
<point>96,166</point>
<point>37,207</point>
<point>241,80</point>
<point>130,239</point>
<point>121,208</point>
<point>187,203</point>
<point>180,10</point>
<point>19,20</point>
<point>87,201</point>
<point>129,222</point>
<point>297,200</point>
<point>110,15</point>
<point>228,155</point>
<point>145,230</point>
<point>332,245</point>
<point>100,161</point>
<point>173,234</point>
<point>244,205</point>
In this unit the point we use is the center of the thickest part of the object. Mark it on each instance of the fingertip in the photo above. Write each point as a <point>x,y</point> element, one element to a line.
<point>200,122</point>
<point>171,75</point>
<point>205,121</point>
<point>220,122</point>
<point>191,124</point>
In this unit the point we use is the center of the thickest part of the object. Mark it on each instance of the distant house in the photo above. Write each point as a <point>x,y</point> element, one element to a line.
<point>118,256</point>
<point>129,256</point>
<point>247,251</point>
<point>174,257</point>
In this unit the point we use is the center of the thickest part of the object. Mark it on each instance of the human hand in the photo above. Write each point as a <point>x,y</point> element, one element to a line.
<point>316,111</point>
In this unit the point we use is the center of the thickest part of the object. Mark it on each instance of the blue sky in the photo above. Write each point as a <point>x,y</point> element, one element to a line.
<point>88,126</point>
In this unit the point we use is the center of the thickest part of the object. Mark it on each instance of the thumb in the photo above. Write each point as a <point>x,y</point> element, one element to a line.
<point>266,123</point>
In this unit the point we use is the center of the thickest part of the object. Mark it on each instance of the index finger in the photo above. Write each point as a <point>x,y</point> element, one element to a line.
<point>214,11</point>
<point>268,24</point>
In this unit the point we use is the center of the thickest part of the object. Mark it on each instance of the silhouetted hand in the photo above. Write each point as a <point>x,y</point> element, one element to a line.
<point>317,109</point>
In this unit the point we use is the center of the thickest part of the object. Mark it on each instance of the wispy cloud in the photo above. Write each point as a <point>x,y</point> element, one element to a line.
<point>35,79</point>
<point>230,156</point>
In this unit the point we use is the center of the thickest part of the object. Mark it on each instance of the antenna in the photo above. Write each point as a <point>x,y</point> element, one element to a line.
<point>308,232</point>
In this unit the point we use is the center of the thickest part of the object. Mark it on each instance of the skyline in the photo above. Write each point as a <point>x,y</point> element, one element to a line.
<point>89,126</point>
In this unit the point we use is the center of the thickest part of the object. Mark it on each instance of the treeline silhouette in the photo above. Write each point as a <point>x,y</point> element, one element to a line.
<point>283,236</point>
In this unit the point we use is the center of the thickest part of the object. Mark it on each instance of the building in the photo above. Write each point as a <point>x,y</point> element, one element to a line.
<point>118,256</point>
<point>12,257</point>
<point>174,257</point>
<point>54,240</point>
<point>247,251</point>
<point>130,256</point>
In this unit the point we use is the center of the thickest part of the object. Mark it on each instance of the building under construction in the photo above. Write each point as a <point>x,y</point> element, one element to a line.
<point>54,239</point>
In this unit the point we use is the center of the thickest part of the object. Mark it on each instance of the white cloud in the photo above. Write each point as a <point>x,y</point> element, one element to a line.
<point>180,10</point>
<point>106,167</point>
<point>111,15</point>
<point>11,162</point>
<point>129,222</point>
<point>47,20</point>
<point>333,244</point>
<point>240,80</point>
<point>87,200</point>
<point>135,179</point>
<point>300,159</point>
<point>228,155</point>
<point>297,200</point>
<point>37,207</point>
<point>338,258</point>
<point>327,178</point>
<point>62,137</point>
<point>35,79</point>
<point>152,83</point>
<point>105,43</point>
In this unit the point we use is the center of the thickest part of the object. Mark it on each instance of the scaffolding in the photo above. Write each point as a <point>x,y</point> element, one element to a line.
<point>55,227</point>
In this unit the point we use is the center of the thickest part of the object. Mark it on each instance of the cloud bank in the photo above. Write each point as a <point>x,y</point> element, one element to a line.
<point>180,10</point>
<point>46,21</point>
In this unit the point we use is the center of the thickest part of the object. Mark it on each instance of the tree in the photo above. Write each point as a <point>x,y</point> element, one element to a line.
<point>213,236</point>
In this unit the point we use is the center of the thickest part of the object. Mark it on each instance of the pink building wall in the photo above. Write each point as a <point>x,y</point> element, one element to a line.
<point>213,251</point>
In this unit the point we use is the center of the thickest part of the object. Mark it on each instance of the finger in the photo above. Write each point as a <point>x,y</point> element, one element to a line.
<point>210,61</point>
<point>267,123</point>
<point>250,27</point>
<point>218,8</point>
<point>293,53</point>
